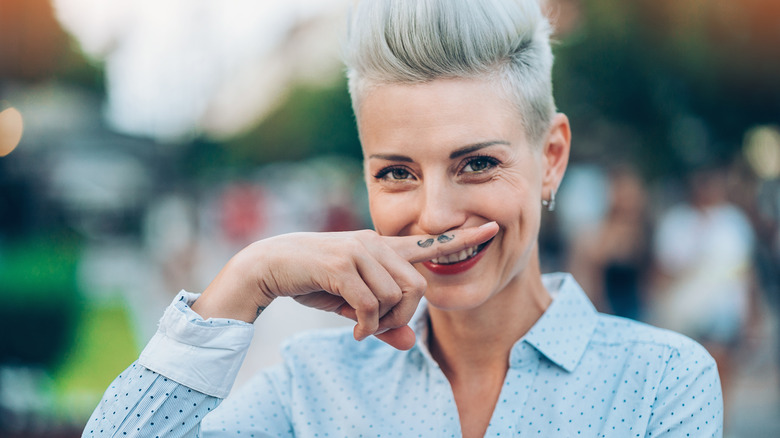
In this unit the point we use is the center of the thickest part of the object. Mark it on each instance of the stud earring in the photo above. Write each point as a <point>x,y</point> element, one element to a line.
<point>550,204</point>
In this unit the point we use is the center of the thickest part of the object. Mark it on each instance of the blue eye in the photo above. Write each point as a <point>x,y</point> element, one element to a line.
<point>480,164</point>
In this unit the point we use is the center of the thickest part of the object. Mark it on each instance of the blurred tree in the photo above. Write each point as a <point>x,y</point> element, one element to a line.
<point>310,121</point>
<point>677,83</point>
<point>666,84</point>
<point>31,41</point>
<point>103,345</point>
<point>41,301</point>
<point>33,47</point>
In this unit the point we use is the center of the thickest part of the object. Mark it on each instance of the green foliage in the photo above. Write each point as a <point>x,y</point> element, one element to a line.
<point>310,121</point>
<point>652,69</point>
<point>38,270</point>
<point>103,347</point>
<point>40,299</point>
<point>75,68</point>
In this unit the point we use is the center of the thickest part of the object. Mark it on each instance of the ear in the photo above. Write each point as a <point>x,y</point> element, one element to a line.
<point>555,155</point>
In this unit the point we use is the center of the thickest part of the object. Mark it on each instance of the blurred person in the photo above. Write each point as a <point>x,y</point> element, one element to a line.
<point>759,199</point>
<point>612,259</point>
<point>703,250</point>
<point>463,151</point>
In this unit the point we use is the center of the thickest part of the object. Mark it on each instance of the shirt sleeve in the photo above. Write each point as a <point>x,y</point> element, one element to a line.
<point>688,400</point>
<point>142,403</point>
<point>184,371</point>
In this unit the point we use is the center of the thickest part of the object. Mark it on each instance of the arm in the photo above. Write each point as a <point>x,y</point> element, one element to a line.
<point>182,375</point>
<point>140,402</point>
<point>689,399</point>
<point>360,275</point>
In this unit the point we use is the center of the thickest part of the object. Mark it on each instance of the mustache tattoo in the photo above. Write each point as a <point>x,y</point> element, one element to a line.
<point>442,238</point>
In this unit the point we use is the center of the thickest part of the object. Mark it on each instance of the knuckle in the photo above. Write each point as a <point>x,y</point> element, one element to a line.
<point>369,305</point>
<point>396,295</point>
<point>367,235</point>
<point>418,285</point>
<point>354,246</point>
<point>391,294</point>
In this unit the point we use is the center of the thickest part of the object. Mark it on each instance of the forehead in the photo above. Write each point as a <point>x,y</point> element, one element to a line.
<point>440,113</point>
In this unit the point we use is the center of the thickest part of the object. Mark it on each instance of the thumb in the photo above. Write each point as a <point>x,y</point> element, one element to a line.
<point>401,338</point>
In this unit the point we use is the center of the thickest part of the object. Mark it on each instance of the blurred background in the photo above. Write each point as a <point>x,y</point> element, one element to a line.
<point>142,143</point>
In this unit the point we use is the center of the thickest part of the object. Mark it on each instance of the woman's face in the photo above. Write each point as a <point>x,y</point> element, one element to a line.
<point>452,154</point>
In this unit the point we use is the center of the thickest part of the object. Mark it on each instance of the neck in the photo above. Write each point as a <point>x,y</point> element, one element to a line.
<point>479,339</point>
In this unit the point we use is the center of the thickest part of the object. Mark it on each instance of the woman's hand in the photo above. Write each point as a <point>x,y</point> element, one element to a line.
<point>361,275</point>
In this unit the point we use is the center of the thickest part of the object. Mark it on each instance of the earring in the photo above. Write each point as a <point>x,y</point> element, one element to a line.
<point>551,203</point>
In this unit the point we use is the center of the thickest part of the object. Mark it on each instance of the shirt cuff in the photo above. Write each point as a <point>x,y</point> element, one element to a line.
<point>204,355</point>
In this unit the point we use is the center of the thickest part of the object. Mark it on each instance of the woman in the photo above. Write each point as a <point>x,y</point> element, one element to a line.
<point>462,149</point>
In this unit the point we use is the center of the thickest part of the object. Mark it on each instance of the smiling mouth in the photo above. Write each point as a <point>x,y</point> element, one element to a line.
<point>462,255</point>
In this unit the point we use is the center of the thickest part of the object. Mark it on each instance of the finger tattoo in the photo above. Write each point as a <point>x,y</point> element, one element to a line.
<point>442,238</point>
<point>445,238</point>
<point>425,243</point>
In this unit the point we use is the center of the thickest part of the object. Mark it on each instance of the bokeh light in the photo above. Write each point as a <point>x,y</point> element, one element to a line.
<point>762,151</point>
<point>11,128</point>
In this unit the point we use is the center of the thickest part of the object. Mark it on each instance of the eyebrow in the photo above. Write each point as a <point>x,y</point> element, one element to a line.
<point>455,154</point>
<point>475,147</point>
<point>392,157</point>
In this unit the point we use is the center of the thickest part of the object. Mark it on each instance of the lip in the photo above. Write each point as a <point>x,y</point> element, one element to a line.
<point>456,268</point>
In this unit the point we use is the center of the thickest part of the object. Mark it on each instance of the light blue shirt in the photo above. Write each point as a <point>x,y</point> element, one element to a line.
<point>575,373</point>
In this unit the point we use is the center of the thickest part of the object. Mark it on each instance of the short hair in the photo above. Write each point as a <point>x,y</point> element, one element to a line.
<point>417,41</point>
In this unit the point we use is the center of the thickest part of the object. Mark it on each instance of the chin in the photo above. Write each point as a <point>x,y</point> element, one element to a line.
<point>468,284</point>
<point>452,298</point>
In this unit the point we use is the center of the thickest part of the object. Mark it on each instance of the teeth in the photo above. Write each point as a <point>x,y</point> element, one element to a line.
<point>456,257</point>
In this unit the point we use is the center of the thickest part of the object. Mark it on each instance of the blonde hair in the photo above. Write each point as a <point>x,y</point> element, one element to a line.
<point>417,41</point>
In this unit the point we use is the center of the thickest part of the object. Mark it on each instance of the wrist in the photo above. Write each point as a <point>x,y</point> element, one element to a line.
<point>234,292</point>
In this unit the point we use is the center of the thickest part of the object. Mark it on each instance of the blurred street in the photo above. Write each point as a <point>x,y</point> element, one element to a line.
<point>754,409</point>
<point>143,144</point>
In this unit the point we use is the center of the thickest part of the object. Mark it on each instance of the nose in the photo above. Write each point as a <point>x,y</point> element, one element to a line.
<point>442,208</point>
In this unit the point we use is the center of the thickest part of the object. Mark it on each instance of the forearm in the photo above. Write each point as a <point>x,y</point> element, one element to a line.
<point>140,402</point>
<point>188,366</point>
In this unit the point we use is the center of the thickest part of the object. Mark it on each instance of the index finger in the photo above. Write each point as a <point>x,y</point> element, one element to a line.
<point>424,247</point>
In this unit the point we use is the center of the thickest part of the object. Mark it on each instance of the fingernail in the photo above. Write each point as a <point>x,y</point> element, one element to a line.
<point>487,225</point>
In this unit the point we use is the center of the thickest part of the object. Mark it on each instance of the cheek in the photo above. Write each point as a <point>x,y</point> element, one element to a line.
<point>517,213</point>
<point>511,213</point>
<point>510,199</point>
<point>390,213</point>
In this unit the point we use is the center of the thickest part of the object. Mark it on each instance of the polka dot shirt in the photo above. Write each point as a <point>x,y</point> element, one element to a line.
<point>575,373</point>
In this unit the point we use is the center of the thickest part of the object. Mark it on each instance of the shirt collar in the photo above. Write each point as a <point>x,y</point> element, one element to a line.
<point>561,334</point>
